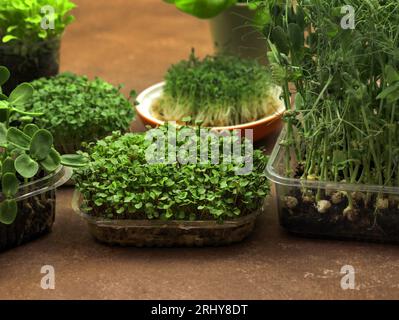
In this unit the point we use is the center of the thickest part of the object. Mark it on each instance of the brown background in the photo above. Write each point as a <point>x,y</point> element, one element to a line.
<point>133,42</point>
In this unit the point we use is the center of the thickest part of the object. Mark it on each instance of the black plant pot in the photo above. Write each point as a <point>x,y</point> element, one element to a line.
<point>29,62</point>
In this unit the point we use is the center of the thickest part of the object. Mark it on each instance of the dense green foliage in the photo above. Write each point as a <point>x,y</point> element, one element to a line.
<point>203,9</point>
<point>21,20</point>
<point>120,183</point>
<point>78,109</point>
<point>220,91</point>
<point>27,153</point>
<point>345,124</point>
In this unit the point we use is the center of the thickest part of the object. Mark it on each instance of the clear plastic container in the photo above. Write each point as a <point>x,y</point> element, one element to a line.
<point>158,233</point>
<point>374,215</point>
<point>36,209</point>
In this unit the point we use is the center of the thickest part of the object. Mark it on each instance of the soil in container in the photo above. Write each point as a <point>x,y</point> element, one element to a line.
<point>373,216</point>
<point>29,62</point>
<point>35,218</point>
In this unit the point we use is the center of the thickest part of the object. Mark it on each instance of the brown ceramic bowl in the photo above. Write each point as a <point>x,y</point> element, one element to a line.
<point>261,128</point>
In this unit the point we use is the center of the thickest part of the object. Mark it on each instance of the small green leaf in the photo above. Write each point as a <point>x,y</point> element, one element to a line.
<point>21,95</point>
<point>8,165</point>
<point>8,38</point>
<point>30,129</point>
<point>52,161</point>
<point>4,75</point>
<point>9,184</point>
<point>41,144</point>
<point>8,211</point>
<point>3,134</point>
<point>296,35</point>
<point>26,166</point>
<point>18,138</point>
<point>73,160</point>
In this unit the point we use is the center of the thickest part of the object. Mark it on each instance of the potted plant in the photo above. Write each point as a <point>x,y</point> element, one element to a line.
<point>79,110</point>
<point>131,193</point>
<point>336,164</point>
<point>30,170</point>
<point>30,36</point>
<point>224,92</point>
<point>234,24</point>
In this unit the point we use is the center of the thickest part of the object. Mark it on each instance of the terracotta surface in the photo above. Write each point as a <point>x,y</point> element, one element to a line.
<point>134,41</point>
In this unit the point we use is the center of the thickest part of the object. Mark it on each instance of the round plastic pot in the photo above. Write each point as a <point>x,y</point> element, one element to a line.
<point>233,32</point>
<point>36,210</point>
<point>28,62</point>
<point>261,128</point>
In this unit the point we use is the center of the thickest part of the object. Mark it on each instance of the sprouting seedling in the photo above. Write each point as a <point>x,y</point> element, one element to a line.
<point>25,151</point>
<point>347,81</point>
<point>220,91</point>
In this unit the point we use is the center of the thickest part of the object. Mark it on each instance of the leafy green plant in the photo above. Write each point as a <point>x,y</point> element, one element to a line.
<point>203,9</point>
<point>220,91</point>
<point>21,20</point>
<point>120,183</point>
<point>345,123</point>
<point>78,109</point>
<point>26,151</point>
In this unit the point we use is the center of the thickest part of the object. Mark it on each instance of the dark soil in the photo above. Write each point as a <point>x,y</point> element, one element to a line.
<point>35,217</point>
<point>367,224</point>
<point>38,62</point>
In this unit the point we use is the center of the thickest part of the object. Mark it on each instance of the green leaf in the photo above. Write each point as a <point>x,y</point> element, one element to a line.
<point>8,38</point>
<point>8,211</point>
<point>8,165</point>
<point>21,95</point>
<point>73,160</point>
<point>297,37</point>
<point>3,134</point>
<point>52,161</point>
<point>280,39</point>
<point>41,144</point>
<point>26,166</point>
<point>4,75</point>
<point>203,9</point>
<point>18,138</point>
<point>391,91</point>
<point>9,184</point>
<point>30,129</point>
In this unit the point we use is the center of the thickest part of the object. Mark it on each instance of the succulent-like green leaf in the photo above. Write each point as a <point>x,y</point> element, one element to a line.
<point>9,184</point>
<point>18,138</point>
<point>30,129</point>
<point>26,166</point>
<point>3,134</point>
<point>4,75</point>
<point>41,144</point>
<point>73,160</point>
<point>52,161</point>
<point>8,211</point>
<point>8,165</point>
<point>21,95</point>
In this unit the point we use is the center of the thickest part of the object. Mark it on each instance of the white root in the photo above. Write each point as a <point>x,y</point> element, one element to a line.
<point>308,198</point>
<point>350,213</point>
<point>382,203</point>
<point>290,202</point>
<point>323,206</point>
